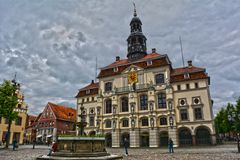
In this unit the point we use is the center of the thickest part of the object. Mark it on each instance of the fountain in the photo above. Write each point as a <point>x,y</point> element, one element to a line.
<point>80,147</point>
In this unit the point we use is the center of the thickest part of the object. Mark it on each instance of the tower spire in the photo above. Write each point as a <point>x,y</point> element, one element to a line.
<point>135,12</point>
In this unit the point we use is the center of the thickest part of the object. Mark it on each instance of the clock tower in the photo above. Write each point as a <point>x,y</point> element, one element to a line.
<point>137,48</point>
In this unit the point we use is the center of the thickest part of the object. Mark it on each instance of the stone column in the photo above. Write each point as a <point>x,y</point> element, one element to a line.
<point>214,140</point>
<point>172,133</point>
<point>54,134</point>
<point>194,140</point>
<point>134,138</point>
<point>153,138</point>
<point>115,138</point>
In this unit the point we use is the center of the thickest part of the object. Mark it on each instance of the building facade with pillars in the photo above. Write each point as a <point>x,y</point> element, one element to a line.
<point>18,126</point>
<point>146,100</point>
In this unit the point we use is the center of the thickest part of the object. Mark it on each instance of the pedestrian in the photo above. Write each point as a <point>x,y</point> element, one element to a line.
<point>14,144</point>
<point>170,145</point>
<point>34,143</point>
<point>53,148</point>
<point>126,144</point>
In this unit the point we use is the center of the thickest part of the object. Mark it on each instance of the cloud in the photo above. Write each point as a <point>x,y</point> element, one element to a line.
<point>53,45</point>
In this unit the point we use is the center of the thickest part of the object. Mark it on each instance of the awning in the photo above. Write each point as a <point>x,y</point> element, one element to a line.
<point>49,136</point>
<point>39,136</point>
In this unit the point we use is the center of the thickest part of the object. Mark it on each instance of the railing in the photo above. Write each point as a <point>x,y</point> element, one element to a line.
<point>130,88</point>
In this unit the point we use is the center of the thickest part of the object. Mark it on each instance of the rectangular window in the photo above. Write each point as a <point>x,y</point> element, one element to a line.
<point>159,78</point>
<point>198,113</point>
<point>178,87</point>
<point>162,100</point>
<point>108,124</point>
<point>144,122</point>
<point>91,121</point>
<point>184,114</point>
<point>125,123</point>
<point>143,102</point>
<point>92,98</point>
<point>125,82</point>
<point>18,121</point>
<point>187,86</point>
<point>108,86</point>
<point>196,85</point>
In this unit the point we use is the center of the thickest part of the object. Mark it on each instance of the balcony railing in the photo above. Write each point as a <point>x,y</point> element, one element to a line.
<point>130,88</point>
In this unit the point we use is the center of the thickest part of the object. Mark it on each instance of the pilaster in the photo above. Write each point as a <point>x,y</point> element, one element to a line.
<point>172,133</point>
<point>115,138</point>
<point>153,137</point>
<point>134,138</point>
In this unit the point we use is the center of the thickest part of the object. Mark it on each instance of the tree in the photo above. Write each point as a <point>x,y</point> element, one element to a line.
<point>8,102</point>
<point>237,116</point>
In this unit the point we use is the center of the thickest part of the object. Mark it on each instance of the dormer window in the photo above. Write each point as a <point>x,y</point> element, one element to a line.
<point>88,91</point>
<point>149,62</point>
<point>186,75</point>
<point>115,69</point>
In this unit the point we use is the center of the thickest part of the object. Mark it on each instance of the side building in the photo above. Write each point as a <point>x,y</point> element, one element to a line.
<point>54,120</point>
<point>143,98</point>
<point>18,126</point>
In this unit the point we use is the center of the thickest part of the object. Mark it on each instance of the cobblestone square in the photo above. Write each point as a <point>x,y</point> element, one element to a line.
<point>221,152</point>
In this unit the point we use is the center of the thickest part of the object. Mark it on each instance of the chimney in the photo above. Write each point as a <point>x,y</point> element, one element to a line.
<point>190,63</point>
<point>117,58</point>
<point>92,81</point>
<point>153,50</point>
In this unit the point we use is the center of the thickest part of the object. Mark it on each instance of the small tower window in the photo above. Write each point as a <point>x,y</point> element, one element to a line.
<point>149,62</point>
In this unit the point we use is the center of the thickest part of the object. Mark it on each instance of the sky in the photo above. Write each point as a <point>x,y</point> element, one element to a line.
<point>53,45</point>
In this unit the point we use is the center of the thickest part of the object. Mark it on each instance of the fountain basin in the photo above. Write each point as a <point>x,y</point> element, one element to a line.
<point>80,148</point>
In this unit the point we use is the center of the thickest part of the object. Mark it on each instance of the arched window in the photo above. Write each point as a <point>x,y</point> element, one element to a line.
<point>108,106</point>
<point>143,102</point>
<point>125,123</point>
<point>108,124</point>
<point>159,78</point>
<point>163,121</point>
<point>162,100</point>
<point>144,121</point>
<point>124,103</point>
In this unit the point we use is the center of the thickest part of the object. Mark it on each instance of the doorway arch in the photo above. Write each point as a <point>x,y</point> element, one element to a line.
<point>185,136</point>
<point>144,139</point>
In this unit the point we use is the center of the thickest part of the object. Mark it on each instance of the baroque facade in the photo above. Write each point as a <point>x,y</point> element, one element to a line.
<point>146,100</point>
<point>18,126</point>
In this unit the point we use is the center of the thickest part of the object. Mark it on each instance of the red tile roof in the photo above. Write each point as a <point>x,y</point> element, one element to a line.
<point>93,90</point>
<point>157,60</point>
<point>177,75</point>
<point>63,112</point>
<point>183,70</point>
<point>126,61</point>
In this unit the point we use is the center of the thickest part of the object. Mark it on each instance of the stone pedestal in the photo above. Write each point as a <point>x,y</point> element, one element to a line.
<point>115,138</point>
<point>153,138</point>
<point>134,138</point>
<point>214,140</point>
<point>172,133</point>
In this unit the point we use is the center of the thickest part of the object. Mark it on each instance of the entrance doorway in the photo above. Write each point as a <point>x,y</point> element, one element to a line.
<point>144,139</point>
<point>203,136</point>
<point>124,135</point>
<point>185,137</point>
<point>164,139</point>
<point>108,139</point>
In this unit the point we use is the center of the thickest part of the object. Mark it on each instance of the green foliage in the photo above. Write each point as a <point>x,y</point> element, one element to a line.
<point>228,119</point>
<point>8,100</point>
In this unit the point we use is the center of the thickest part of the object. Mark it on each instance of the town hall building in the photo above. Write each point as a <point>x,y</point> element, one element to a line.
<point>146,100</point>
